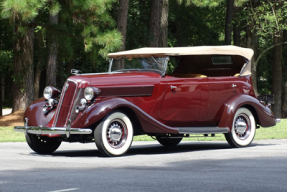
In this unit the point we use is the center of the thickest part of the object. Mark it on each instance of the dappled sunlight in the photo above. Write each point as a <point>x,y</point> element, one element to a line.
<point>13,119</point>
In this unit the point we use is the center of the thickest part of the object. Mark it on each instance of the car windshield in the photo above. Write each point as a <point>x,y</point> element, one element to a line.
<point>157,64</point>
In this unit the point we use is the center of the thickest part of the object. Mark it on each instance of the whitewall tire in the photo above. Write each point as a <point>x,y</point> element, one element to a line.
<point>243,128</point>
<point>114,135</point>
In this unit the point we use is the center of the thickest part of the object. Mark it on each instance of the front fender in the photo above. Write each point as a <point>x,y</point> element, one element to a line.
<point>35,113</point>
<point>264,114</point>
<point>98,110</point>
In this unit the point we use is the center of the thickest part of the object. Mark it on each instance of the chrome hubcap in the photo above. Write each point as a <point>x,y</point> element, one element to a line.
<point>242,126</point>
<point>117,133</point>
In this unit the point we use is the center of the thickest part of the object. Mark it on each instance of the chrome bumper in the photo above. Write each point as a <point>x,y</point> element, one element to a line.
<point>52,130</point>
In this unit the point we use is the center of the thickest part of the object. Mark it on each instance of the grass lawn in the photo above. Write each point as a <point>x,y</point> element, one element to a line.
<point>7,134</point>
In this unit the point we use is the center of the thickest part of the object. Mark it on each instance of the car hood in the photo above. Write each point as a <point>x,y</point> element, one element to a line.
<point>115,79</point>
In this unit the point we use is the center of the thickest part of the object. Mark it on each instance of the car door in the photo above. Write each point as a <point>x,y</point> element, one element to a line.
<point>221,89</point>
<point>182,101</point>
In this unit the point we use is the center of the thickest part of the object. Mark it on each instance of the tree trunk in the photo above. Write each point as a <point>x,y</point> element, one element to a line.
<point>236,27</point>
<point>252,42</point>
<point>122,27</point>
<point>37,80</point>
<point>3,89</point>
<point>52,56</point>
<point>40,63</point>
<point>122,20</point>
<point>158,23</point>
<point>277,75</point>
<point>228,22</point>
<point>164,24</point>
<point>1,106</point>
<point>23,89</point>
<point>154,22</point>
<point>284,97</point>
<point>178,29</point>
<point>70,66</point>
<point>255,45</point>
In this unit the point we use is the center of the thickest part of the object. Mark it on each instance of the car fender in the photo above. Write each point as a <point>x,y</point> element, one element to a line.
<point>263,115</point>
<point>35,114</point>
<point>100,109</point>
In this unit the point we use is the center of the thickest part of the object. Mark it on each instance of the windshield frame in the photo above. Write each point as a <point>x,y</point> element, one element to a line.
<point>162,73</point>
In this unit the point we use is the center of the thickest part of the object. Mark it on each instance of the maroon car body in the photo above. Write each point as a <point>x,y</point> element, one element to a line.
<point>215,98</point>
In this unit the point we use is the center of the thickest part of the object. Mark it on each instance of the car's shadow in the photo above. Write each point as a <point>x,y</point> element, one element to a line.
<point>151,149</point>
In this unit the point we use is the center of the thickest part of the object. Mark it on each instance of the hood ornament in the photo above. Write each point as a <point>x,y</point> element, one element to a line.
<point>75,71</point>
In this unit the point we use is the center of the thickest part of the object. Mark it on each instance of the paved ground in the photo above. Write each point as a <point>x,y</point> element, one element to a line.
<point>191,166</point>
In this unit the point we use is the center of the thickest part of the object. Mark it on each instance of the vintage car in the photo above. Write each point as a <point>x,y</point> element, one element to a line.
<point>166,93</point>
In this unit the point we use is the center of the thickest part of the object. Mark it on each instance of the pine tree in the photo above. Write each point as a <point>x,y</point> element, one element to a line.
<point>21,14</point>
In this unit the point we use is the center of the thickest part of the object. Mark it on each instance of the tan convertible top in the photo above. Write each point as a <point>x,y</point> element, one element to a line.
<point>174,51</point>
<point>180,51</point>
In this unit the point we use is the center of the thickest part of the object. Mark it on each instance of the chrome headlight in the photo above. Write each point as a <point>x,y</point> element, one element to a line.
<point>91,92</point>
<point>48,92</point>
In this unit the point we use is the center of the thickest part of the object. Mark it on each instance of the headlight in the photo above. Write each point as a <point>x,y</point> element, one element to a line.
<point>51,92</point>
<point>48,92</point>
<point>91,92</point>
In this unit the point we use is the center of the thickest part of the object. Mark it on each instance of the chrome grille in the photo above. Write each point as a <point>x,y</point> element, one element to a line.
<point>66,104</point>
<point>79,96</point>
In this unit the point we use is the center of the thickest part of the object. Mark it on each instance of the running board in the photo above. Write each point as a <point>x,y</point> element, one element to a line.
<point>202,130</point>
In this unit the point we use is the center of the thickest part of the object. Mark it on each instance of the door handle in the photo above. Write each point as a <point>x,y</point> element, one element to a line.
<point>173,88</point>
<point>233,85</point>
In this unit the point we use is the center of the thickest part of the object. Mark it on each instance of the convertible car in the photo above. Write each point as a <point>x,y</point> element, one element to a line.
<point>166,93</point>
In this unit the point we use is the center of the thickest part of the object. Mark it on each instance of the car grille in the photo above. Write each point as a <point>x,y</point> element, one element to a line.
<point>66,103</point>
<point>79,96</point>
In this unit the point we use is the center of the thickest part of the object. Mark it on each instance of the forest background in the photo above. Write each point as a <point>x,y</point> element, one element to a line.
<point>42,40</point>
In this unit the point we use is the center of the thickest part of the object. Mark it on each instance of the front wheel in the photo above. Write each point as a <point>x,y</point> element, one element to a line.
<point>42,145</point>
<point>114,135</point>
<point>243,129</point>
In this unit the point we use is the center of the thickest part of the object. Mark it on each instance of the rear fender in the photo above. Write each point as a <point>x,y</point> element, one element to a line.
<point>99,110</point>
<point>263,115</point>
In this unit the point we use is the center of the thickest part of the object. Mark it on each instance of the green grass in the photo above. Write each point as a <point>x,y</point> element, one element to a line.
<point>7,134</point>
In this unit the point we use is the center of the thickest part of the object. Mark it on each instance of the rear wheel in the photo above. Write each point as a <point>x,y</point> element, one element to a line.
<point>42,145</point>
<point>243,129</point>
<point>114,135</point>
<point>167,141</point>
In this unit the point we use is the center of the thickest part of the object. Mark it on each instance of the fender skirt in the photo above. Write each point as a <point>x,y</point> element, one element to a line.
<point>99,110</point>
<point>263,115</point>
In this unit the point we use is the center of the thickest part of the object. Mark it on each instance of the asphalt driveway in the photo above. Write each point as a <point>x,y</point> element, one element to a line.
<point>191,166</point>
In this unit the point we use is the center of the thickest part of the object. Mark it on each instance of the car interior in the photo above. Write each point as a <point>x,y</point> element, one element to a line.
<point>198,66</point>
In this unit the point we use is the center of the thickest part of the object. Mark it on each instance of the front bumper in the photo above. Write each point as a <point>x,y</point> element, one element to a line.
<point>52,130</point>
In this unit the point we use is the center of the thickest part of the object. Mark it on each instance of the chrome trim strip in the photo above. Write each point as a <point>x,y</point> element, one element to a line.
<point>52,130</point>
<point>202,130</point>
<point>107,73</point>
<point>135,95</point>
